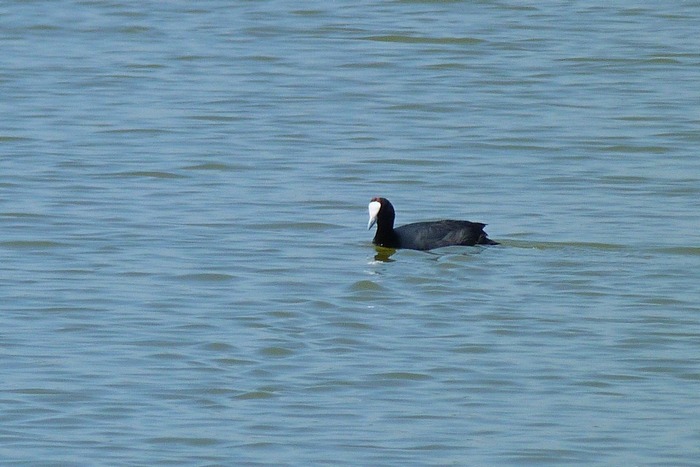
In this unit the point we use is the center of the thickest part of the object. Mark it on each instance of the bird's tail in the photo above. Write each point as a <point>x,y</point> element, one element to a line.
<point>484,240</point>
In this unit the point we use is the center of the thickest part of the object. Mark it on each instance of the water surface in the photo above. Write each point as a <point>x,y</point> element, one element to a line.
<point>185,273</point>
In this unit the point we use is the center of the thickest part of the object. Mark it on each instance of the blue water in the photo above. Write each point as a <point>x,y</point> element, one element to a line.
<point>185,271</point>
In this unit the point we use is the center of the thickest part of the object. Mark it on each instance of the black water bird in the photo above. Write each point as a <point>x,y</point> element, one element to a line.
<point>422,235</point>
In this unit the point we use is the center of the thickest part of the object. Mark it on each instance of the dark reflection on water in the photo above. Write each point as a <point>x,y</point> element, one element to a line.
<point>384,254</point>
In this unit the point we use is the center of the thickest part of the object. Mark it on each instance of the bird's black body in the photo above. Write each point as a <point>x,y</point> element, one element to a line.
<point>425,235</point>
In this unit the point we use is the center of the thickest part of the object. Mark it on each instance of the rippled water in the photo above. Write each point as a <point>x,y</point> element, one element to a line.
<point>185,273</point>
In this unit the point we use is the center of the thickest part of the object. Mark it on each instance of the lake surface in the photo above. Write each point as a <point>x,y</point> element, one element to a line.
<point>185,271</point>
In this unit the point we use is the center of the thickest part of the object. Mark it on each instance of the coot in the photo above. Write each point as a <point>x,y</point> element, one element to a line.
<point>422,235</point>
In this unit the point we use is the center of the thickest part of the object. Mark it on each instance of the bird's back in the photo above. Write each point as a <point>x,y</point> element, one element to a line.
<point>429,235</point>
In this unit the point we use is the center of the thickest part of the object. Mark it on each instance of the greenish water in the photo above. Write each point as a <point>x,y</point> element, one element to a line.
<point>185,271</point>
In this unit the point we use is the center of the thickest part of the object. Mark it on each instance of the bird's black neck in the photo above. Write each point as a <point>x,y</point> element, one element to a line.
<point>386,236</point>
